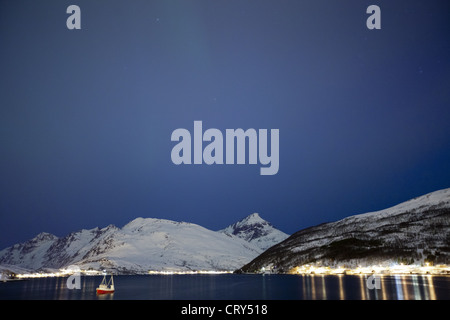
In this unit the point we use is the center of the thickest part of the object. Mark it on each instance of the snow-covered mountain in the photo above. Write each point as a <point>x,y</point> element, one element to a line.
<point>141,245</point>
<point>411,232</point>
<point>257,231</point>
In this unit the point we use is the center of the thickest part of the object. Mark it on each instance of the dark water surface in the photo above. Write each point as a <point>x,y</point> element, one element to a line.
<point>234,287</point>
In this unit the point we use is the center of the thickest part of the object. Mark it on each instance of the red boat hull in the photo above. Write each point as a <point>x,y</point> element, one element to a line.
<point>100,291</point>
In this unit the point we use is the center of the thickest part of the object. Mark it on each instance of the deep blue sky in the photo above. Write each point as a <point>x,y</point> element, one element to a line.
<point>86,115</point>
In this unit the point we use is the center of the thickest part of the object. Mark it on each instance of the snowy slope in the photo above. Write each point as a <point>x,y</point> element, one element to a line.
<point>141,245</point>
<point>257,231</point>
<point>158,244</point>
<point>49,251</point>
<point>29,254</point>
<point>410,231</point>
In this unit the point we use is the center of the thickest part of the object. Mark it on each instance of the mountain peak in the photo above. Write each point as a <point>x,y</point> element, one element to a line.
<point>44,236</point>
<point>251,219</point>
<point>254,215</point>
<point>255,229</point>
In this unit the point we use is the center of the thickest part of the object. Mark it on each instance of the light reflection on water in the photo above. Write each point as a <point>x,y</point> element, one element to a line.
<point>397,287</point>
<point>237,287</point>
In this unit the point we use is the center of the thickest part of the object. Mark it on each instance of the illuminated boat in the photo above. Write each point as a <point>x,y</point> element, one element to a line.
<point>106,287</point>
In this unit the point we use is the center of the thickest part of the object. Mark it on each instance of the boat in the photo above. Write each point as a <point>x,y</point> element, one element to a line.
<point>106,287</point>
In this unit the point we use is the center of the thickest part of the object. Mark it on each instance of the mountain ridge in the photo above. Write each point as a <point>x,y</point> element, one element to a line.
<point>141,245</point>
<point>413,231</point>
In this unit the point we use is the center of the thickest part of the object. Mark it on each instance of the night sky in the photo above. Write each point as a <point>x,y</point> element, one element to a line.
<point>86,116</point>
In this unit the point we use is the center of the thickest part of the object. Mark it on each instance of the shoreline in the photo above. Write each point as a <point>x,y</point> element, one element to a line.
<point>322,271</point>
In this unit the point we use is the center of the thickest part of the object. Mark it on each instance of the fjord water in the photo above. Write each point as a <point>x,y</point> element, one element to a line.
<point>234,287</point>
